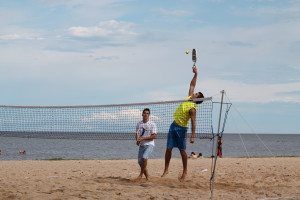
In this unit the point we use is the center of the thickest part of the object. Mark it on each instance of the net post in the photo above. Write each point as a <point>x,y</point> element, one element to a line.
<point>220,113</point>
<point>212,179</point>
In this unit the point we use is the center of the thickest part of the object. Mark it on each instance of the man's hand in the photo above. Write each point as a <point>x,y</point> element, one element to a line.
<point>138,136</point>
<point>195,69</point>
<point>192,140</point>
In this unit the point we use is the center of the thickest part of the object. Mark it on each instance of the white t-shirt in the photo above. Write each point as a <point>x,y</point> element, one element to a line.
<point>146,129</point>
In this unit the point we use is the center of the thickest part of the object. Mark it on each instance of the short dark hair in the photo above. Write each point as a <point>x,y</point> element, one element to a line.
<point>146,109</point>
<point>201,96</point>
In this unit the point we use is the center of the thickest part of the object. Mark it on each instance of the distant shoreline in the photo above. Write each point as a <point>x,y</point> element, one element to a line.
<point>62,159</point>
<point>235,146</point>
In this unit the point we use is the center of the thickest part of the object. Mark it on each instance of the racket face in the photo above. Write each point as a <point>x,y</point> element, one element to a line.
<point>194,55</point>
<point>138,134</point>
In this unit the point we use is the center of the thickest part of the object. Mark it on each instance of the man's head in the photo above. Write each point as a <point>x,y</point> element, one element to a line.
<point>199,95</point>
<point>146,114</point>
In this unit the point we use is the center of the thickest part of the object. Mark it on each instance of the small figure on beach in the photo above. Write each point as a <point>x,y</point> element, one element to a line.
<point>193,155</point>
<point>145,134</point>
<point>0,152</point>
<point>178,129</point>
<point>220,143</point>
<point>22,152</point>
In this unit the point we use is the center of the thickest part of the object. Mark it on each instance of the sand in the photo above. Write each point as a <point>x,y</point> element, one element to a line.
<point>236,178</point>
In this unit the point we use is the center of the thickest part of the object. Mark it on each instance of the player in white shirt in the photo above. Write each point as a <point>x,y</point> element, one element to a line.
<point>145,134</point>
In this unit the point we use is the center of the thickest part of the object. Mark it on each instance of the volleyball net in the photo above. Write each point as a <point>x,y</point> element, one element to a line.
<point>98,122</point>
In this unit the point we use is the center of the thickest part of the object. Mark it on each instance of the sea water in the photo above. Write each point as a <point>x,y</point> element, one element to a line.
<point>235,145</point>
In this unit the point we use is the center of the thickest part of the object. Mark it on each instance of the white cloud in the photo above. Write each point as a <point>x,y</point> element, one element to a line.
<point>134,114</point>
<point>259,93</point>
<point>88,31</point>
<point>78,3</point>
<point>174,12</point>
<point>285,14</point>
<point>20,37</point>
<point>109,28</point>
<point>11,37</point>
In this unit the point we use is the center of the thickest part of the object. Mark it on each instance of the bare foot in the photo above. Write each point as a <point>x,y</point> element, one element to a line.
<point>182,178</point>
<point>146,174</point>
<point>164,174</point>
<point>137,179</point>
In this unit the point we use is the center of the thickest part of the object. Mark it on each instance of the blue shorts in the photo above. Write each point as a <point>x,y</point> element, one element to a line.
<point>177,137</point>
<point>144,152</point>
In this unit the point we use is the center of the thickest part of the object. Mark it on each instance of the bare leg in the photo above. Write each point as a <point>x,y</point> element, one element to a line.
<point>184,163</point>
<point>141,174</point>
<point>168,156</point>
<point>144,169</point>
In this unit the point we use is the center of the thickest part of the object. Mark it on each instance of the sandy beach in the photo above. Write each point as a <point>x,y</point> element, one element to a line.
<point>236,178</point>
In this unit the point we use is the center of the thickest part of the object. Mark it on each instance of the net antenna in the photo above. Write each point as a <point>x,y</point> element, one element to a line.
<point>194,56</point>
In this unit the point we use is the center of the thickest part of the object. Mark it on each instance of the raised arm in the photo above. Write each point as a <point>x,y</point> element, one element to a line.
<point>193,81</point>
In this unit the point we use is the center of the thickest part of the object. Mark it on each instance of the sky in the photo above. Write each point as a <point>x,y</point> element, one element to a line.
<point>86,52</point>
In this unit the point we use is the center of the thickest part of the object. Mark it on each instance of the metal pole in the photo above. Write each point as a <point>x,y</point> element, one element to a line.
<point>220,111</point>
<point>212,179</point>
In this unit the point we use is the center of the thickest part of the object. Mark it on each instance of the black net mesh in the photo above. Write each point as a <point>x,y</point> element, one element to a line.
<point>104,122</point>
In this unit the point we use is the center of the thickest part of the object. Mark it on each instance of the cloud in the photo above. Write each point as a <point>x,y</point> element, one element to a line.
<point>106,32</point>
<point>88,32</point>
<point>239,43</point>
<point>101,58</point>
<point>259,93</point>
<point>174,12</point>
<point>237,55</point>
<point>11,37</point>
<point>283,13</point>
<point>20,37</point>
<point>292,93</point>
<point>104,29</point>
<point>133,114</point>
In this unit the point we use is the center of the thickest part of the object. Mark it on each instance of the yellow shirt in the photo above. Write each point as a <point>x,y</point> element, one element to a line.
<point>182,115</point>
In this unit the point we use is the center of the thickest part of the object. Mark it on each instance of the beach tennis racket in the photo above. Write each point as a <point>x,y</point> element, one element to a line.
<point>138,134</point>
<point>194,56</point>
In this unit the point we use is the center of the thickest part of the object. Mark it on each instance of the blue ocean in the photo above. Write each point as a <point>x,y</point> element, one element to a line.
<point>235,145</point>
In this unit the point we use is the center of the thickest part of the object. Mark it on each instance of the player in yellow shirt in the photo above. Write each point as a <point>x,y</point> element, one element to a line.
<point>178,129</point>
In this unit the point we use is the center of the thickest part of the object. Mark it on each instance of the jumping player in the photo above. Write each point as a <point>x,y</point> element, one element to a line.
<point>178,129</point>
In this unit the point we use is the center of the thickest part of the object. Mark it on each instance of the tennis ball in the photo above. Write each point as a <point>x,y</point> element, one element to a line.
<point>187,52</point>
